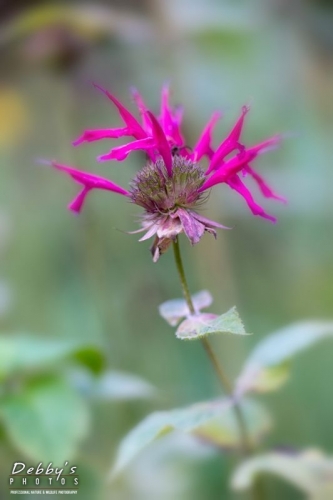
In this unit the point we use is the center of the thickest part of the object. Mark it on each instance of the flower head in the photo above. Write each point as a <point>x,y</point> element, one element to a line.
<point>173,182</point>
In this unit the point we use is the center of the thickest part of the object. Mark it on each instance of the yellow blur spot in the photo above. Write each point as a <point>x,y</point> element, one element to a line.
<point>13,117</point>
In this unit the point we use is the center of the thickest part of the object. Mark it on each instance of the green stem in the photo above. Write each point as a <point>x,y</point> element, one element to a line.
<point>223,377</point>
<point>246,444</point>
<point>182,277</point>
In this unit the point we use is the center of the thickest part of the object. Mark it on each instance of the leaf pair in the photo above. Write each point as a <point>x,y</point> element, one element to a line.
<point>199,325</point>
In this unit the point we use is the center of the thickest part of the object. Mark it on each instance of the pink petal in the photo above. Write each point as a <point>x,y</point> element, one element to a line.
<point>264,146</point>
<point>192,227</point>
<point>264,187</point>
<point>96,135</point>
<point>238,162</point>
<point>166,116</point>
<point>178,115</point>
<point>177,136</point>
<point>77,204</point>
<point>89,181</point>
<point>151,231</point>
<point>121,152</point>
<point>236,184</point>
<point>208,222</point>
<point>226,170</point>
<point>171,123</point>
<point>161,143</point>
<point>169,227</point>
<point>230,143</point>
<point>130,121</point>
<point>142,109</point>
<point>203,146</point>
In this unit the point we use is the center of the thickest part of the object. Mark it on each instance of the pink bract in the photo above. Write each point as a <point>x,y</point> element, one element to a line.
<point>172,183</point>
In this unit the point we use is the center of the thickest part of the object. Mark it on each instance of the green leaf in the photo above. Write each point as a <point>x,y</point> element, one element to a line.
<point>112,385</point>
<point>267,368</point>
<point>174,310</point>
<point>213,421</point>
<point>91,480</point>
<point>88,356</point>
<point>24,352</point>
<point>122,386</point>
<point>267,379</point>
<point>325,492</point>
<point>310,471</point>
<point>46,421</point>
<point>201,325</point>
<point>224,432</point>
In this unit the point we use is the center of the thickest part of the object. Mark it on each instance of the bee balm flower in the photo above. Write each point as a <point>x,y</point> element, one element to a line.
<point>173,182</point>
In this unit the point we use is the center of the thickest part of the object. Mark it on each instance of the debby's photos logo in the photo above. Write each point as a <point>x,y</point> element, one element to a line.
<point>43,479</point>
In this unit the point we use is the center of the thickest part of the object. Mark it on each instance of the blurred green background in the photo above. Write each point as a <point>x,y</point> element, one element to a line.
<point>85,279</point>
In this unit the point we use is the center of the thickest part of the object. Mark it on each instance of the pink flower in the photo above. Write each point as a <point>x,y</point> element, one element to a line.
<point>173,182</point>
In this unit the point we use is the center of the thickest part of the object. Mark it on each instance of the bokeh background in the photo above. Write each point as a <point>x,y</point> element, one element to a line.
<point>86,279</point>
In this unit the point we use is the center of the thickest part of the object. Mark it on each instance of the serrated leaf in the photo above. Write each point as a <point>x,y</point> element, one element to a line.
<point>213,421</point>
<point>45,421</point>
<point>267,367</point>
<point>201,325</point>
<point>310,471</point>
<point>174,310</point>
<point>25,352</point>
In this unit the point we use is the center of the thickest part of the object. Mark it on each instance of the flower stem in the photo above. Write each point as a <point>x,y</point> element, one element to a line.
<point>182,277</point>
<point>257,492</point>
<point>223,377</point>
<point>246,445</point>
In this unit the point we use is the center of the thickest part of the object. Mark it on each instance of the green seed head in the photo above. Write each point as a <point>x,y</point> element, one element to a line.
<point>156,191</point>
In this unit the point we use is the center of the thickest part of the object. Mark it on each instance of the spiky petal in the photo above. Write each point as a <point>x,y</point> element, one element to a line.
<point>120,153</point>
<point>238,162</point>
<point>235,183</point>
<point>89,182</point>
<point>142,109</point>
<point>263,186</point>
<point>130,121</point>
<point>170,121</point>
<point>97,135</point>
<point>230,143</point>
<point>203,146</point>
<point>161,143</point>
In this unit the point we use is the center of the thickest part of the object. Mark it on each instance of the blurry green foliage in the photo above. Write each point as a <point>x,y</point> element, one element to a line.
<point>21,354</point>
<point>267,367</point>
<point>43,416</point>
<point>212,421</point>
<point>309,470</point>
<point>45,420</point>
<point>45,409</point>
